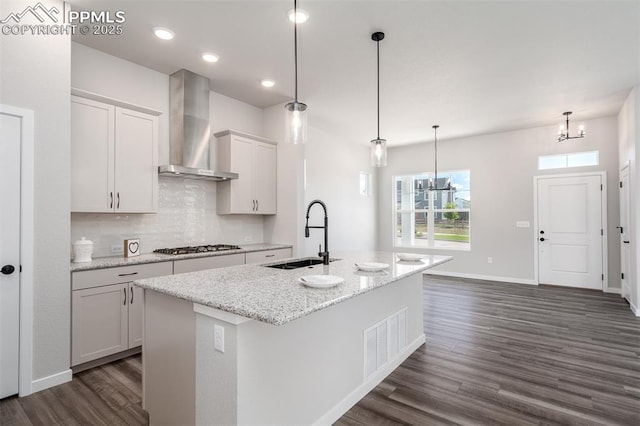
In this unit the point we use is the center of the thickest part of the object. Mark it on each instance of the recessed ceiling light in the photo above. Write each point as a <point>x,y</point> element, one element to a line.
<point>163,33</point>
<point>210,57</point>
<point>302,16</point>
<point>268,83</point>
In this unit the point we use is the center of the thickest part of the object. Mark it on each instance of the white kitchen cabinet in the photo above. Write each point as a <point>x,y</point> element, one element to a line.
<point>209,262</point>
<point>267,255</point>
<point>114,158</point>
<point>255,160</point>
<point>106,310</point>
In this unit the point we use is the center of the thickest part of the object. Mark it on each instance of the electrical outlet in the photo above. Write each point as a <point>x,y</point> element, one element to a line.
<point>489,259</point>
<point>117,249</point>
<point>218,338</point>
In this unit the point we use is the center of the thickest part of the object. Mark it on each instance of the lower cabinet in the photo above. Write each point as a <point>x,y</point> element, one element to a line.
<point>106,310</point>
<point>267,255</point>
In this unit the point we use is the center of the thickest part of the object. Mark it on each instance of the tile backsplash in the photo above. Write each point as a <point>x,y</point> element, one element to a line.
<point>186,216</point>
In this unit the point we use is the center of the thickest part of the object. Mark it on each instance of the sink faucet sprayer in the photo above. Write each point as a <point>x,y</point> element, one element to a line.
<point>323,254</point>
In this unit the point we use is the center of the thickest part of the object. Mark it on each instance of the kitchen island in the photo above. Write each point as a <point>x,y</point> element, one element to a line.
<point>251,345</point>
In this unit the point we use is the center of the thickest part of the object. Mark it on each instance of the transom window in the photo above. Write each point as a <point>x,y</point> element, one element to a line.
<point>432,219</point>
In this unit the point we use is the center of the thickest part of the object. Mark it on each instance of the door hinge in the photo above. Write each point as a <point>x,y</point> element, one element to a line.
<point>601,187</point>
<point>602,232</point>
<point>622,275</point>
<point>20,270</point>
<point>620,184</point>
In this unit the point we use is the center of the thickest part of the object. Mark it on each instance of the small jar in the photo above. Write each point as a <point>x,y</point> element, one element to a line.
<point>82,250</point>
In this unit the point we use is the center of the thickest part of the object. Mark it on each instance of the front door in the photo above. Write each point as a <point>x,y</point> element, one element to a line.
<point>570,231</point>
<point>10,136</point>
<point>625,253</point>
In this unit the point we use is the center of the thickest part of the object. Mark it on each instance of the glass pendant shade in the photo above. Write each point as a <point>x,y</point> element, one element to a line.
<point>296,131</point>
<point>378,153</point>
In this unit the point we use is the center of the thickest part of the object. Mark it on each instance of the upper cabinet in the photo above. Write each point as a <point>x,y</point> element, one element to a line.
<point>254,159</point>
<point>114,157</point>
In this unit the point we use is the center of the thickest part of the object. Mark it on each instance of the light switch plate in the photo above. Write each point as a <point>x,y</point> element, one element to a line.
<point>522,224</point>
<point>218,338</point>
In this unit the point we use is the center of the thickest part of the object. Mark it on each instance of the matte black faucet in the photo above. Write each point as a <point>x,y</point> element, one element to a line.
<point>323,254</point>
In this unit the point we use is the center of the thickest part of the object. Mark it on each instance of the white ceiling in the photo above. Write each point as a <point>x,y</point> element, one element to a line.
<point>473,67</point>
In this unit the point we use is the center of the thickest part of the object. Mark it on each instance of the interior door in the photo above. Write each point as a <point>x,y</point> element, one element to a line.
<point>10,137</point>
<point>625,235</point>
<point>570,231</point>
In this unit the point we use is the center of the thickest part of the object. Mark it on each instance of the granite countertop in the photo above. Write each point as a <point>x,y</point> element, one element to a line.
<point>115,261</point>
<point>275,296</point>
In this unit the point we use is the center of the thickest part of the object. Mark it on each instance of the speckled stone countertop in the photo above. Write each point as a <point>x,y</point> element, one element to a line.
<point>275,296</point>
<point>114,261</point>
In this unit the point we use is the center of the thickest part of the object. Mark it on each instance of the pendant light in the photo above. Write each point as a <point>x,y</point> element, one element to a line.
<point>432,186</point>
<point>296,131</point>
<point>563,134</point>
<point>378,146</point>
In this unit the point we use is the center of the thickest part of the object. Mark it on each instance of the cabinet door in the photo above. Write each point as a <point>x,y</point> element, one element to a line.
<point>241,189</point>
<point>136,304</point>
<point>136,162</point>
<point>99,322</point>
<point>92,156</point>
<point>267,255</point>
<point>265,159</point>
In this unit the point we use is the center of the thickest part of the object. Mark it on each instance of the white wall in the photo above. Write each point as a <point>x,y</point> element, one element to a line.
<point>502,167</point>
<point>186,209</point>
<point>35,75</point>
<point>629,138</point>
<point>328,168</point>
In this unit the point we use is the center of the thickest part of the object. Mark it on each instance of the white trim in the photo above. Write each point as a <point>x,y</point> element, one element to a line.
<point>51,381</point>
<point>27,157</point>
<point>613,290</point>
<point>111,101</point>
<point>603,224</point>
<point>482,277</point>
<point>635,310</point>
<point>367,386</point>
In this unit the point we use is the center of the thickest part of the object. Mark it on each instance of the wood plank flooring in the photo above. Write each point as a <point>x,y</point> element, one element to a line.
<point>515,355</point>
<point>495,354</point>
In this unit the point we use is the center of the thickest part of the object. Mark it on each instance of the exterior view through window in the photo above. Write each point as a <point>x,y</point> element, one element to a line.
<point>432,219</point>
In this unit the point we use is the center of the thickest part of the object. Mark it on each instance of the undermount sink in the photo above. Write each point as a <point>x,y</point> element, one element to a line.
<point>301,263</point>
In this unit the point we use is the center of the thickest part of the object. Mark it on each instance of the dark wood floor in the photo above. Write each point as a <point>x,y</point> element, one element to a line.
<point>495,354</point>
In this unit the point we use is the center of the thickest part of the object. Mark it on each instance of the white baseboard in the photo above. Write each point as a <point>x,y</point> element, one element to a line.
<point>367,386</point>
<point>482,277</point>
<point>634,309</point>
<point>613,290</point>
<point>51,381</point>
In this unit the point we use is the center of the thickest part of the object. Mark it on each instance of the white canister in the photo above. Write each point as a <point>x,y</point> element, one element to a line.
<point>82,250</point>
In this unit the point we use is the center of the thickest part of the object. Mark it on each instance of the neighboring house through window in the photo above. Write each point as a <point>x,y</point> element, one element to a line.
<point>432,219</point>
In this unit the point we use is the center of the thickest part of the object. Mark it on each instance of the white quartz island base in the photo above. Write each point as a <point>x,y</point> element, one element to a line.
<point>307,371</point>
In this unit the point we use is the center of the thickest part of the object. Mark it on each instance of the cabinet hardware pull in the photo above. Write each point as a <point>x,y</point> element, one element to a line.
<point>118,205</point>
<point>125,296</point>
<point>129,274</point>
<point>111,195</point>
<point>131,296</point>
<point>257,205</point>
<point>269,255</point>
<point>254,205</point>
<point>626,242</point>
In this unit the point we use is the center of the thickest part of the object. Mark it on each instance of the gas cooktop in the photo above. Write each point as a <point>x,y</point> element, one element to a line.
<point>196,249</point>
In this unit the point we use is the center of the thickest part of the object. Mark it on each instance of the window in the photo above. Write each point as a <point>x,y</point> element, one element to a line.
<point>432,219</point>
<point>365,184</point>
<point>573,159</point>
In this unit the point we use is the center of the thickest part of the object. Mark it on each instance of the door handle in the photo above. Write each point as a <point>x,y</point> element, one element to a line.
<point>111,195</point>
<point>118,196</point>
<point>621,229</point>
<point>125,296</point>
<point>131,302</point>
<point>626,242</point>
<point>257,205</point>
<point>8,269</point>
<point>542,239</point>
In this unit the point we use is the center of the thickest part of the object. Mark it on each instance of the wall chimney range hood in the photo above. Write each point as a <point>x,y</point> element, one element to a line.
<point>190,130</point>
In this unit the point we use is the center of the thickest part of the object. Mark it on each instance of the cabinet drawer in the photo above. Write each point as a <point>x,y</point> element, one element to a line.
<point>267,255</point>
<point>211,262</point>
<point>121,274</point>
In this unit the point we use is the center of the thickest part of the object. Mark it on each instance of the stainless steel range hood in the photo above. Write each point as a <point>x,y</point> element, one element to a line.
<point>190,129</point>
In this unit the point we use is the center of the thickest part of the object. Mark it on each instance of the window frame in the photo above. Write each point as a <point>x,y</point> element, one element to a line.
<point>430,211</point>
